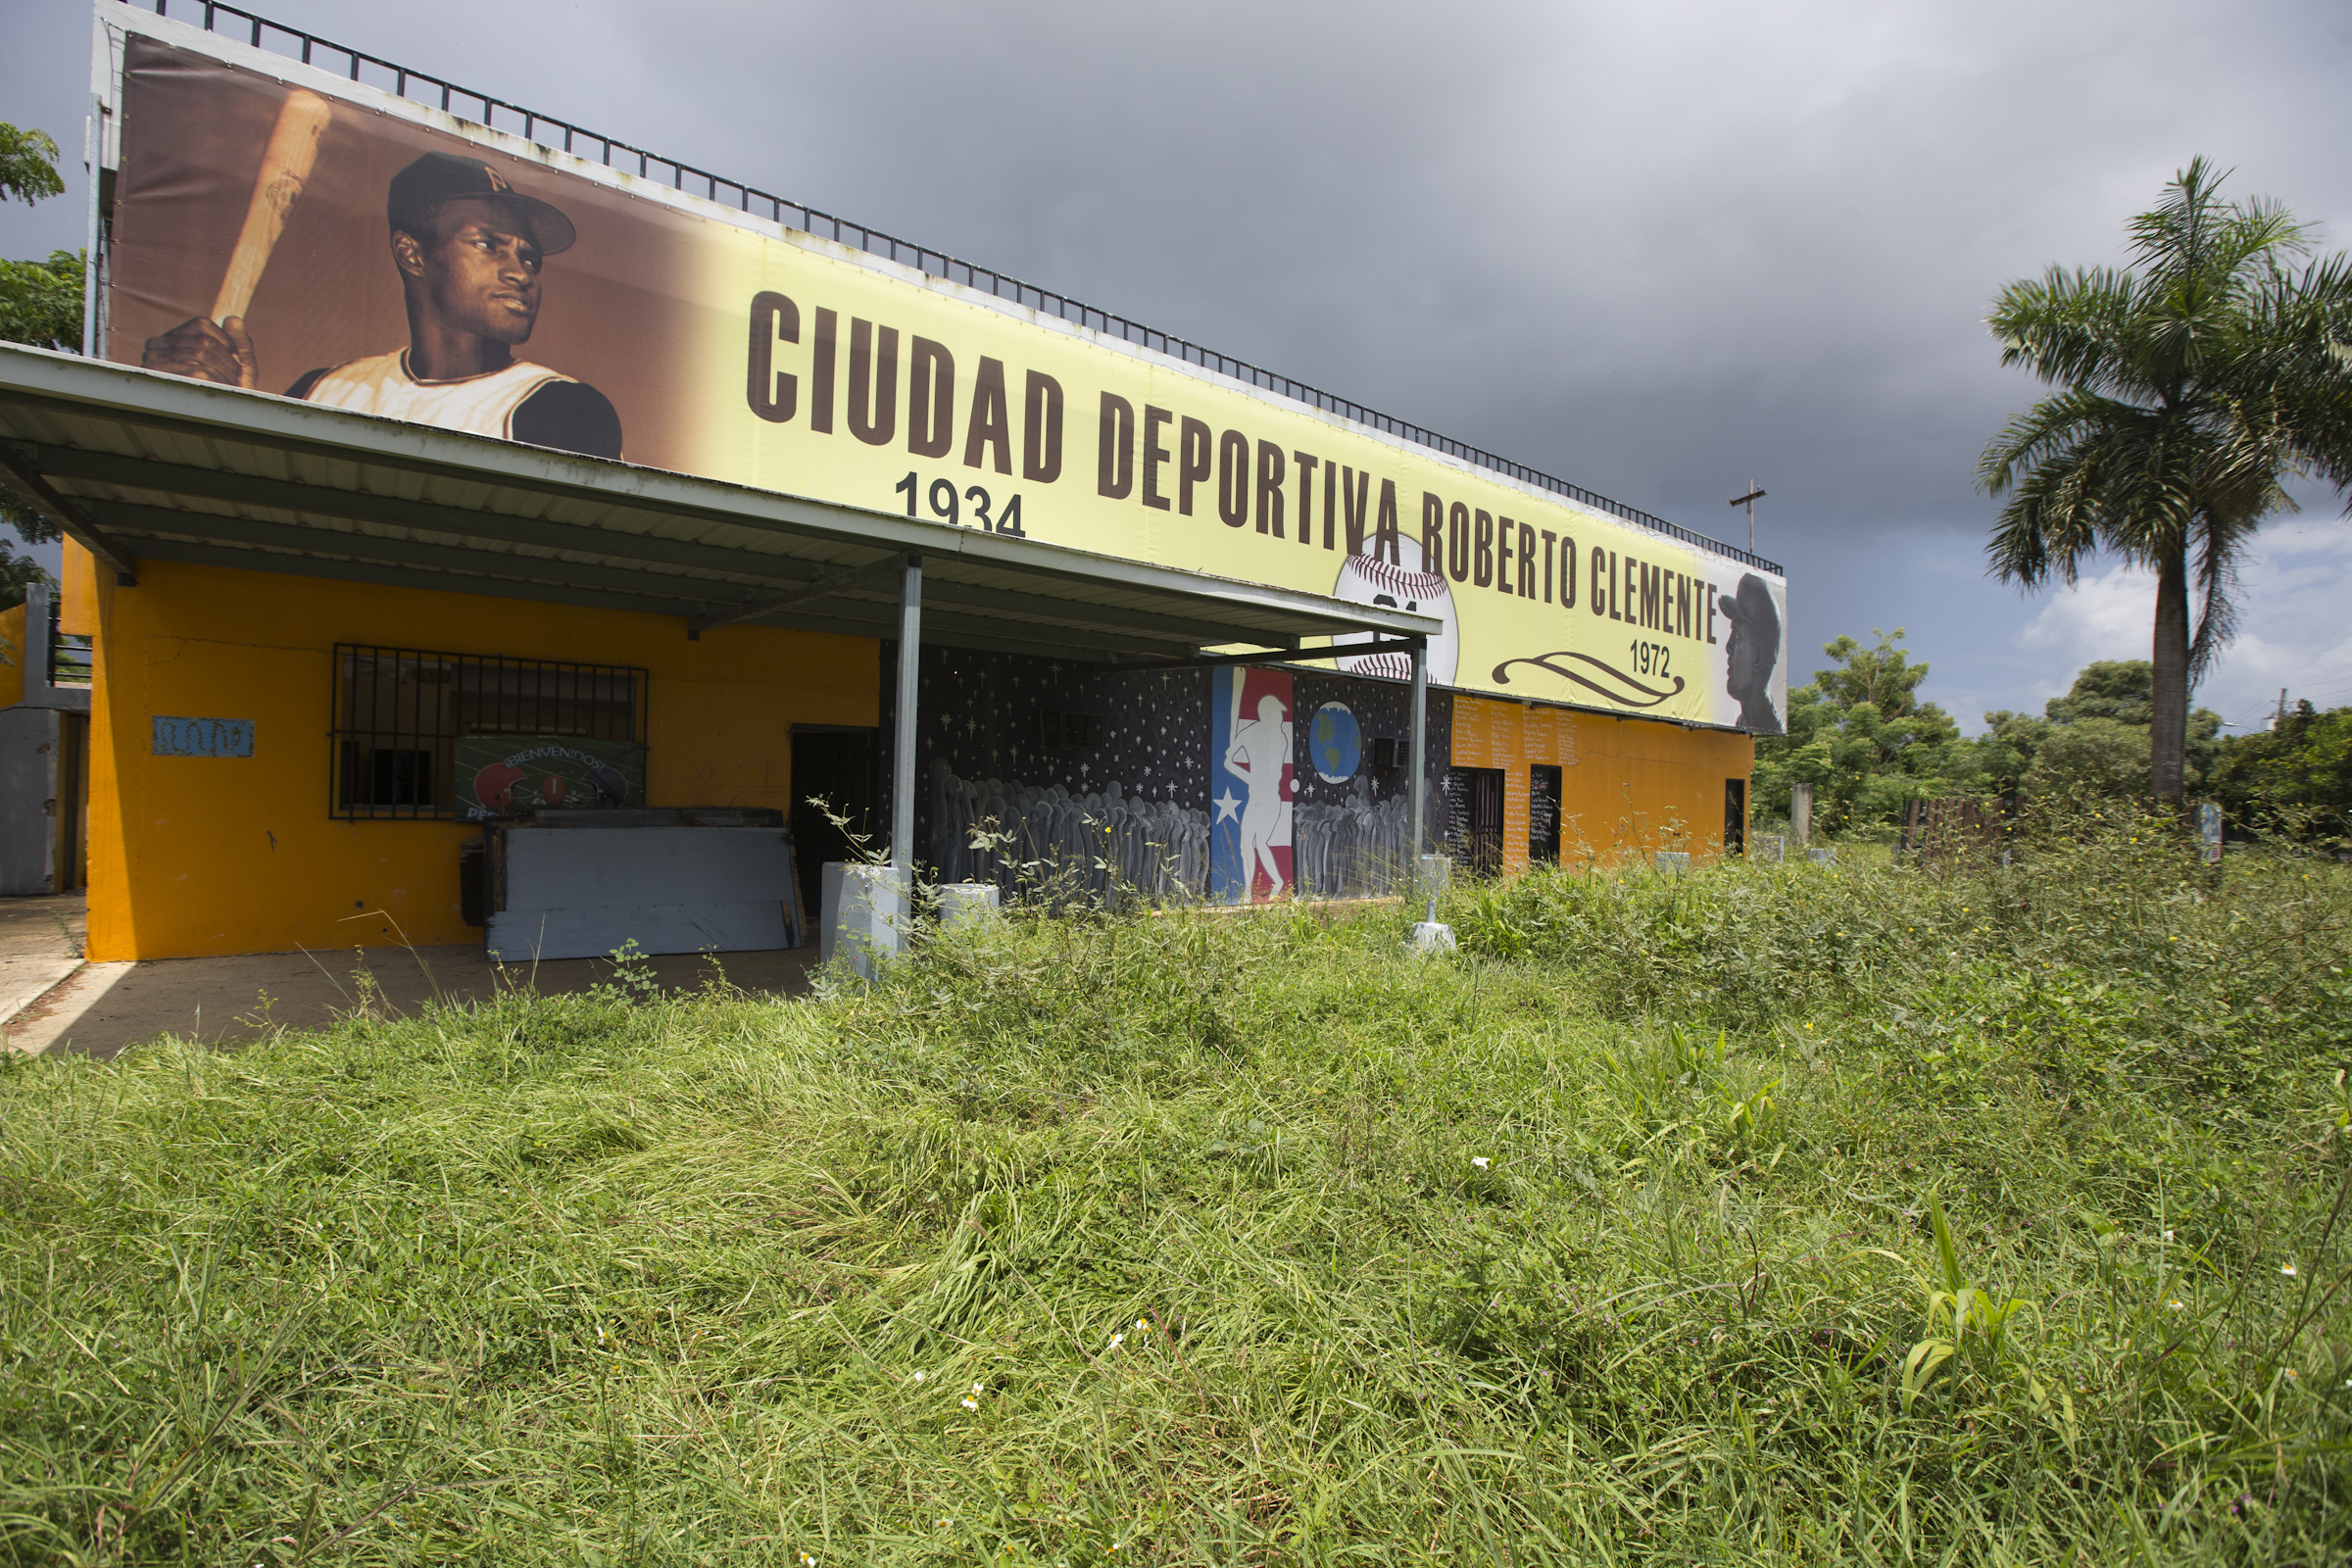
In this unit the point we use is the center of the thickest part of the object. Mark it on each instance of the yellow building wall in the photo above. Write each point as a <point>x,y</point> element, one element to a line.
<point>16,649</point>
<point>1628,786</point>
<point>193,856</point>
<point>78,593</point>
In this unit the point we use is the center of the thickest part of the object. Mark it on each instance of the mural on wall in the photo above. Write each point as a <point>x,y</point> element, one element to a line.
<point>1104,842</point>
<point>498,775</point>
<point>1107,783</point>
<point>1350,836</point>
<point>1087,779</point>
<point>1253,754</point>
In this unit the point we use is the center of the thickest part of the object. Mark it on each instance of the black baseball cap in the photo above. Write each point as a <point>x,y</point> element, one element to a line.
<point>439,178</point>
<point>1751,606</point>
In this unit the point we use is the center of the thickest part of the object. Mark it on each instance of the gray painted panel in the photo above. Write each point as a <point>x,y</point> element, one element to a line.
<point>574,868</point>
<point>523,936</point>
<point>28,740</point>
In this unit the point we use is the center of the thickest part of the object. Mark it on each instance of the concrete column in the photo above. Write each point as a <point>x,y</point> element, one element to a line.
<point>901,773</point>
<point>1800,813</point>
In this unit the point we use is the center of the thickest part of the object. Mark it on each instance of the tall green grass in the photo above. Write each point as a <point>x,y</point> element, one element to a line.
<point>1768,1214</point>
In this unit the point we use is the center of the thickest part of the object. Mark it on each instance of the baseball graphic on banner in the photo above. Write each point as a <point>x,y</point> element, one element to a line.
<point>1369,580</point>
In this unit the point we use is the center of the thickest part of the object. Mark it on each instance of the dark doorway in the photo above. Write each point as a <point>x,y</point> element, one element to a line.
<point>1735,816</point>
<point>837,765</point>
<point>73,802</point>
<point>1474,819</point>
<point>1543,815</point>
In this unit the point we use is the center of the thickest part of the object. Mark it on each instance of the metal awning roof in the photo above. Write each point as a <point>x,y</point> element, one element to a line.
<point>141,466</point>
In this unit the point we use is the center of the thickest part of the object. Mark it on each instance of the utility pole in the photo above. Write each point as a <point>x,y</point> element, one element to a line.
<point>1749,501</point>
<point>2281,718</point>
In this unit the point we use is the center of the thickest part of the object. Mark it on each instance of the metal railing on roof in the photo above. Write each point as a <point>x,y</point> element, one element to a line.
<point>548,131</point>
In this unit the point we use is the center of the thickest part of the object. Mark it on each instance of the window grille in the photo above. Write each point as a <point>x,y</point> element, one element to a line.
<point>398,714</point>
<point>70,656</point>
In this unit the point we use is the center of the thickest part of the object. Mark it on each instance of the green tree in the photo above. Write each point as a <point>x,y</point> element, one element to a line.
<point>17,573</point>
<point>2120,689</point>
<point>28,165</point>
<point>1861,737</point>
<point>2004,753</point>
<point>2295,777</point>
<point>41,304</point>
<point>2088,756</point>
<point>2190,386</point>
<point>2082,742</point>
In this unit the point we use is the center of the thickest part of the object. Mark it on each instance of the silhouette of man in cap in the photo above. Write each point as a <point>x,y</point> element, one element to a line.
<point>468,248</point>
<point>1750,652</point>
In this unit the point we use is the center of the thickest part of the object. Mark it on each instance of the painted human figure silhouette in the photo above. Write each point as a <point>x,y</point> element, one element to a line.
<point>1260,752</point>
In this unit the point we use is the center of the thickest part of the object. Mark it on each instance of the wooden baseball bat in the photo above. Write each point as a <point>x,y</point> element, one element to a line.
<point>285,165</point>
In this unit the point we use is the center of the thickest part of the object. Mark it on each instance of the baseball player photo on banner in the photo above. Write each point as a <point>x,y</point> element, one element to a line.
<point>278,229</point>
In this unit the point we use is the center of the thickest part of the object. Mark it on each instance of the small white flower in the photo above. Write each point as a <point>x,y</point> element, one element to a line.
<point>971,1404</point>
<point>1118,1339</point>
<point>2167,1235</point>
<point>2178,1307</point>
<point>977,1389</point>
<point>918,1377</point>
<point>1480,1160</point>
<point>2292,1373</point>
<point>2287,1269</point>
<point>1141,1327</point>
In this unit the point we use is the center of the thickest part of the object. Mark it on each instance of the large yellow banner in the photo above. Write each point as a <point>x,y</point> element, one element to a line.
<point>284,229</point>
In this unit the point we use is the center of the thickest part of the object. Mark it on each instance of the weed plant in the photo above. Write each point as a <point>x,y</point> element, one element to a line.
<point>1978,1213</point>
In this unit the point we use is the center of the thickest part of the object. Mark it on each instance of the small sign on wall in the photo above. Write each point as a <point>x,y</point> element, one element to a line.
<point>203,737</point>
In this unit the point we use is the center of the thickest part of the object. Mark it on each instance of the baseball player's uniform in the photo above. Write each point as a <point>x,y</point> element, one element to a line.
<point>524,402</point>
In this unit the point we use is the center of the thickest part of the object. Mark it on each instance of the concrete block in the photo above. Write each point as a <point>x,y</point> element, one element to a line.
<point>828,909</point>
<point>1430,935</point>
<point>872,918</point>
<point>966,902</point>
<point>1672,860</point>
<point>1768,847</point>
<point>1825,856</point>
<point>1437,873</point>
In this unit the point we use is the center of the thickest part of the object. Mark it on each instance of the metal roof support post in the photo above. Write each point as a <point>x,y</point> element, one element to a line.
<point>902,771</point>
<point>1417,789</point>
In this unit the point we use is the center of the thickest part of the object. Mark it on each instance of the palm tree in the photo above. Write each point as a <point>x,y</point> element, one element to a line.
<point>2192,387</point>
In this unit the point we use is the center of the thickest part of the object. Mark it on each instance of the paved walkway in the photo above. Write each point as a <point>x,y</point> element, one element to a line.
<point>41,944</point>
<point>52,1001</point>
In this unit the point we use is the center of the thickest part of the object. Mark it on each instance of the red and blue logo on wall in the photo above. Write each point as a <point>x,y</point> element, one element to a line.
<point>1250,785</point>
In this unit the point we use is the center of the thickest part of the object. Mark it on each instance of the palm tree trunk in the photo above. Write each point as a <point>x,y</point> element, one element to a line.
<point>2168,728</point>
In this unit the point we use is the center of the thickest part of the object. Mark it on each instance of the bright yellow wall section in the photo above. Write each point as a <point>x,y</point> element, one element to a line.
<point>236,855</point>
<point>78,593</point>
<point>1628,786</point>
<point>13,644</point>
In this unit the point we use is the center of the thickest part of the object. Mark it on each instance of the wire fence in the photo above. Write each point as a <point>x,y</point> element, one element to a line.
<point>231,21</point>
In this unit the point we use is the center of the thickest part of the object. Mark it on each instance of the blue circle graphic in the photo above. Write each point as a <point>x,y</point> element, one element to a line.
<point>1334,745</point>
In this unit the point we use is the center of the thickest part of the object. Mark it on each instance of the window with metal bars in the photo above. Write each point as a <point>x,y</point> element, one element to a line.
<point>399,712</point>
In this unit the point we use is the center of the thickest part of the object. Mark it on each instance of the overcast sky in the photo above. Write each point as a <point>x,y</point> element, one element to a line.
<point>1658,250</point>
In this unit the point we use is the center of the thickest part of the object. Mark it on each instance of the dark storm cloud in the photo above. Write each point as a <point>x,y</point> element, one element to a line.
<point>1657,250</point>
